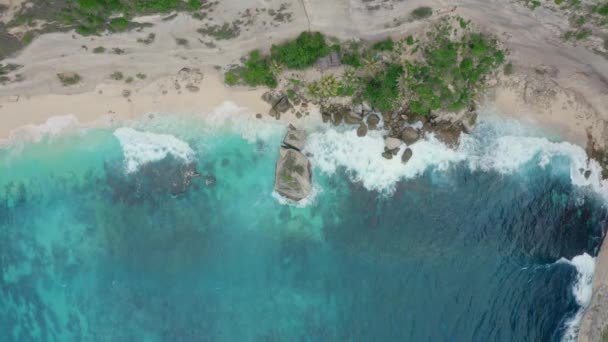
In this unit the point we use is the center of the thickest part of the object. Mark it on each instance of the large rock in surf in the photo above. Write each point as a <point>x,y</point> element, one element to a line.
<point>293,175</point>
<point>295,138</point>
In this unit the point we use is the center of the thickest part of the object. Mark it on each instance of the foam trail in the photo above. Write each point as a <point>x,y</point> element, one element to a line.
<point>140,148</point>
<point>582,291</point>
<point>362,159</point>
<point>232,117</point>
<point>495,146</point>
<point>316,190</point>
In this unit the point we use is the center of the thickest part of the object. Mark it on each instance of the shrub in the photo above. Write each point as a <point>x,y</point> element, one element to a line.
<point>451,72</point>
<point>119,24</point>
<point>99,49</point>
<point>384,45</point>
<point>129,80</point>
<point>231,78</point>
<point>382,91</point>
<point>603,10</point>
<point>301,52</point>
<point>508,69</point>
<point>68,79</point>
<point>117,75</point>
<point>141,76</point>
<point>422,12</point>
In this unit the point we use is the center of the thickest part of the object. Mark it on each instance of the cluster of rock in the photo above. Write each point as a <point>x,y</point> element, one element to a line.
<point>280,103</point>
<point>293,176</point>
<point>402,127</point>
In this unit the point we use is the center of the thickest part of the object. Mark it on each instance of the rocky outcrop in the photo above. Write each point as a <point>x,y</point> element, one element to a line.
<point>278,101</point>
<point>293,177</point>
<point>410,135</point>
<point>295,139</point>
<point>362,130</point>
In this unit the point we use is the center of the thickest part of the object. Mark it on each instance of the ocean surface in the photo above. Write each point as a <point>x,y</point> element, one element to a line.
<point>106,236</point>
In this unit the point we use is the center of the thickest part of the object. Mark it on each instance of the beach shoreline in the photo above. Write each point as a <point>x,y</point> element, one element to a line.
<point>560,86</point>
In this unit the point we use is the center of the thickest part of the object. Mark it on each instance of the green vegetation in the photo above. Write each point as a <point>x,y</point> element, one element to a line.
<point>117,76</point>
<point>534,4</point>
<point>382,90</point>
<point>422,12</point>
<point>129,80</point>
<point>602,10</point>
<point>447,77</point>
<point>231,78</point>
<point>99,49</point>
<point>558,2</point>
<point>350,55</point>
<point>27,38</point>
<point>68,79</point>
<point>291,94</point>
<point>255,72</point>
<point>141,76</point>
<point>384,45</point>
<point>301,52</point>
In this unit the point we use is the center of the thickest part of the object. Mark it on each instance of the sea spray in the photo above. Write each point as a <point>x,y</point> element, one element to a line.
<point>582,291</point>
<point>143,147</point>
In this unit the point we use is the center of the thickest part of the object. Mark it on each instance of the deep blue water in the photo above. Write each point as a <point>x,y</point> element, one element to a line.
<point>89,252</point>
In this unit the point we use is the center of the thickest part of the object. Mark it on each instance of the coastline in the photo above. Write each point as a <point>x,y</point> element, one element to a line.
<point>562,87</point>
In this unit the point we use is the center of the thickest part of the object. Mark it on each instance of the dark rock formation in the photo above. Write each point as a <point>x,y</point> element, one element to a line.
<point>293,178</point>
<point>293,175</point>
<point>372,121</point>
<point>278,101</point>
<point>362,130</point>
<point>407,155</point>
<point>295,138</point>
<point>410,135</point>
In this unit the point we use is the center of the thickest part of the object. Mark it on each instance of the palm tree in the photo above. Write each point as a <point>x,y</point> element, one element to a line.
<point>276,68</point>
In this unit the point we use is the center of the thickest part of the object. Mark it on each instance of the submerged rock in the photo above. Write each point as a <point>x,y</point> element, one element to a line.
<point>293,175</point>
<point>387,154</point>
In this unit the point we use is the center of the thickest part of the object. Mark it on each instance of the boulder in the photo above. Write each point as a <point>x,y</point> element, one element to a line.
<point>392,143</point>
<point>448,133</point>
<point>293,175</point>
<point>362,130</point>
<point>352,119</point>
<point>407,155</point>
<point>387,155</point>
<point>373,120</point>
<point>336,113</point>
<point>278,101</point>
<point>410,135</point>
<point>295,138</point>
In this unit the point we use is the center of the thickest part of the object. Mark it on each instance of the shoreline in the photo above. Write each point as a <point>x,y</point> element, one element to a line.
<point>555,85</point>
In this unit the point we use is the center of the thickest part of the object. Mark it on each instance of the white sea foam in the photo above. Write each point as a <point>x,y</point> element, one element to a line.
<point>316,190</point>
<point>496,147</point>
<point>140,148</point>
<point>582,291</point>
<point>231,117</point>
<point>362,159</point>
<point>52,127</point>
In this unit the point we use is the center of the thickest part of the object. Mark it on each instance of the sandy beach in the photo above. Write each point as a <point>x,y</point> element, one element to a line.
<point>557,84</point>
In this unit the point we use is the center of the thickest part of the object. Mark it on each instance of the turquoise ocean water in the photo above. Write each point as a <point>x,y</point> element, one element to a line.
<point>98,242</point>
